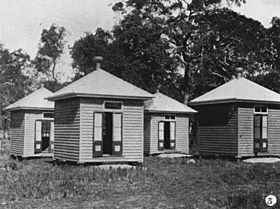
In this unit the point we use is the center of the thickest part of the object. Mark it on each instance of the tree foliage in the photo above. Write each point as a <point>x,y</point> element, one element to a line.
<point>157,39</point>
<point>49,52</point>
<point>14,84</point>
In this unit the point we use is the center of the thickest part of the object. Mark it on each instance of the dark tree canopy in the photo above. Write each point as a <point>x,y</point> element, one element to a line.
<point>157,39</point>
<point>14,84</point>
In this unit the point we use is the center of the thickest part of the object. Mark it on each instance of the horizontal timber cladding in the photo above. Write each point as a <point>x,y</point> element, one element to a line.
<point>246,129</point>
<point>17,132</point>
<point>67,129</point>
<point>217,129</point>
<point>133,130</point>
<point>147,133</point>
<point>181,133</point>
<point>133,119</point>
<point>88,107</point>
<point>274,131</point>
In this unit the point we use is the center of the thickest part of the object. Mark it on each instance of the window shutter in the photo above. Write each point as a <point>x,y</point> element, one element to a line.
<point>161,135</point>
<point>117,134</point>
<point>38,136</point>
<point>172,135</point>
<point>97,135</point>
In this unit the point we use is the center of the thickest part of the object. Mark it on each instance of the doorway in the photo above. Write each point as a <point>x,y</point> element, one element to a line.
<point>107,133</point>
<point>43,136</point>
<point>260,133</point>
<point>166,135</point>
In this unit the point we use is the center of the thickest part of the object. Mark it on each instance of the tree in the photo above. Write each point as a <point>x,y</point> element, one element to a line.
<point>50,50</point>
<point>133,51</point>
<point>86,48</point>
<point>183,24</point>
<point>226,41</point>
<point>14,84</point>
<point>156,38</point>
<point>271,59</point>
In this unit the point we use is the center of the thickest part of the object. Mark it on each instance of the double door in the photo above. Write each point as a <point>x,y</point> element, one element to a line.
<point>44,136</point>
<point>166,135</point>
<point>107,136</point>
<point>260,133</point>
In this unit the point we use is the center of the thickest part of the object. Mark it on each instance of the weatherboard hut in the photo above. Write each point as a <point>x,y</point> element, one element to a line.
<point>31,125</point>
<point>239,118</point>
<point>99,118</point>
<point>166,125</point>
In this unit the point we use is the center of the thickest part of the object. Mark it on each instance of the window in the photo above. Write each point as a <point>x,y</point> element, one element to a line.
<point>48,115</point>
<point>261,109</point>
<point>113,105</point>
<point>169,117</point>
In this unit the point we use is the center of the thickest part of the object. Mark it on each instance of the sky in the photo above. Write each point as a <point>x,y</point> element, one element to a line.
<point>22,21</point>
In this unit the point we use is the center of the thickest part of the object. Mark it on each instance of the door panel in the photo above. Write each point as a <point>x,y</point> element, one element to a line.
<point>117,134</point>
<point>38,137</point>
<point>161,135</point>
<point>97,135</point>
<point>172,135</point>
<point>52,137</point>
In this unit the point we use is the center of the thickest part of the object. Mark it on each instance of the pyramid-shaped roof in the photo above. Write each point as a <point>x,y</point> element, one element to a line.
<point>163,103</point>
<point>34,101</point>
<point>238,89</point>
<point>101,84</point>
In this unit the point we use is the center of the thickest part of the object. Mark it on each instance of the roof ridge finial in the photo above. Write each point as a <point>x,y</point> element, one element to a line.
<point>239,72</point>
<point>42,85</point>
<point>98,60</point>
<point>158,87</point>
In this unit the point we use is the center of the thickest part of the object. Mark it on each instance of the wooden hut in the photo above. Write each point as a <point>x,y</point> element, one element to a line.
<point>99,118</point>
<point>166,125</point>
<point>239,118</point>
<point>31,125</point>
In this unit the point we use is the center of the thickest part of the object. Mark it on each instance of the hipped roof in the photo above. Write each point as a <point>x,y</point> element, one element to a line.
<point>163,103</point>
<point>238,90</point>
<point>33,101</point>
<point>101,84</point>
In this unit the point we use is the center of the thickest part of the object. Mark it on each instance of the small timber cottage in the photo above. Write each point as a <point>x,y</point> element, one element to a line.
<point>166,125</point>
<point>240,119</point>
<point>32,125</point>
<point>99,118</point>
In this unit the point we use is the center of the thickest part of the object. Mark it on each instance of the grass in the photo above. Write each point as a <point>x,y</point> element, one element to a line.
<point>166,183</point>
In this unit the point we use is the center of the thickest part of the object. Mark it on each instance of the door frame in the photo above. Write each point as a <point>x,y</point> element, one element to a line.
<point>50,137</point>
<point>161,141</point>
<point>114,143</point>
<point>262,141</point>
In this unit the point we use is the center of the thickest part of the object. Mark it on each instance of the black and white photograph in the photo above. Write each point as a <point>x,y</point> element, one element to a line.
<point>140,104</point>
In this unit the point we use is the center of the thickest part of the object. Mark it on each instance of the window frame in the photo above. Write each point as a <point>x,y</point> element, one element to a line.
<point>170,117</point>
<point>260,112</point>
<point>48,113</point>
<point>112,109</point>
